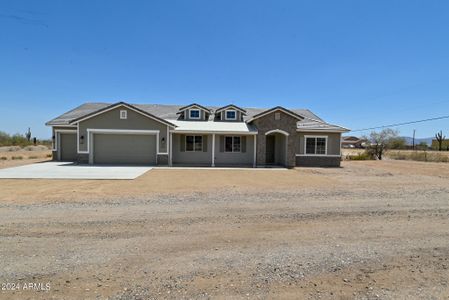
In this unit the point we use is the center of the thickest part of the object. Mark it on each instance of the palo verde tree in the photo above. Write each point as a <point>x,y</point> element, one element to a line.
<point>378,142</point>
<point>440,138</point>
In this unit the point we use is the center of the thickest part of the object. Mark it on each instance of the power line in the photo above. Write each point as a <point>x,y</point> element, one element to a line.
<point>401,124</point>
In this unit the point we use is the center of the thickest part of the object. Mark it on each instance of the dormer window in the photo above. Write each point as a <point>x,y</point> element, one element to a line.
<point>230,112</point>
<point>194,114</point>
<point>231,115</point>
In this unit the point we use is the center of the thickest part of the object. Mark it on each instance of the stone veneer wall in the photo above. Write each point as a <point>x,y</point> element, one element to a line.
<point>318,161</point>
<point>286,123</point>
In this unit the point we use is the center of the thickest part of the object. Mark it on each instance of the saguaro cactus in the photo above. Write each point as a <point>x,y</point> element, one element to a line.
<point>440,138</point>
<point>28,134</point>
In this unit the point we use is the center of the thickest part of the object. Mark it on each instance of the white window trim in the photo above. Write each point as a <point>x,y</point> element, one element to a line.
<point>230,110</point>
<point>185,143</point>
<point>233,136</point>
<point>315,136</point>
<point>123,114</point>
<point>199,114</point>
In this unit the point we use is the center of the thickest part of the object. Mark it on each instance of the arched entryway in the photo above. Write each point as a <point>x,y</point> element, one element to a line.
<point>276,147</point>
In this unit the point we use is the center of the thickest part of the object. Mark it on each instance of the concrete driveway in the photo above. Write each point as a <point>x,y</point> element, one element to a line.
<point>67,170</point>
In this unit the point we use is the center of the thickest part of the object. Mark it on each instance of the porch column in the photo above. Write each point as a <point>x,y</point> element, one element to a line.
<point>213,150</point>
<point>255,151</point>
<point>170,153</point>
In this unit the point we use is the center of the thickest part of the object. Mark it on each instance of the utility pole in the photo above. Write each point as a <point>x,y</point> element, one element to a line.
<point>414,139</point>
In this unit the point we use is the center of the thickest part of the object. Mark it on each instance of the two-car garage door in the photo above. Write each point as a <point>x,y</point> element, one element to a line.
<point>124,149</point>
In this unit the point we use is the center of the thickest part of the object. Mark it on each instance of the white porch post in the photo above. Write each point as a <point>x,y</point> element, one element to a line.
<point>255,152</point>
<point>170,146</point>
<point>213,150</point>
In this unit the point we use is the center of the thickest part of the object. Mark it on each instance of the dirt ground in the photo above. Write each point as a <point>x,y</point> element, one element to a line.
<point>368,230</point>
<point>22,157</point>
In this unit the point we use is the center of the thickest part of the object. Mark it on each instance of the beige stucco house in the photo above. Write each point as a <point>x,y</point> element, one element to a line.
<point>194,135</point>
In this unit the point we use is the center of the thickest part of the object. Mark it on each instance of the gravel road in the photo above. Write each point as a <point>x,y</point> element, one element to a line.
<point>381,232</point>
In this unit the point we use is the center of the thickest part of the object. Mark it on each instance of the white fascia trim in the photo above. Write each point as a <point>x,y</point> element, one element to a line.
<point>56,145</point>
<point>64,125</point>
<point>91,131</point>
<point>321,155</point>
<point>272,111</point>
<point>277,131</point>
<point>315,136</point>
<point>128,107</point>
<point>231,119</point>
<point>212,132</point>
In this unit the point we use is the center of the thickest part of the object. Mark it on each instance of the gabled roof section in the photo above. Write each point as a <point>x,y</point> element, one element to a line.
<point>80,111</point>
<point>312,125</point>
<point>277,108</point>
<point>231,106</point>
<point>118,104</point>
<point>194,105</point>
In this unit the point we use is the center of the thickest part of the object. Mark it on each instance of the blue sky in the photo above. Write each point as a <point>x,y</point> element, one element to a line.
<point>355,63</point>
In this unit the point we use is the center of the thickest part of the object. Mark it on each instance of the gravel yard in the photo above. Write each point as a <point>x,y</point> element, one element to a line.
<point>367,230</point>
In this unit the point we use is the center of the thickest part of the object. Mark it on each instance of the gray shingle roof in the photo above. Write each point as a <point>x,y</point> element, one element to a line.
<point>168,112</point>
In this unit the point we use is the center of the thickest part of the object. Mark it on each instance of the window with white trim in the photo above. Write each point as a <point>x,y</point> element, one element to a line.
<point>232,144</point>
<point>316,145</point>
<point>194,113</point>
<point>123,114</point>
<point>230,115</point>
<point>194,143</point>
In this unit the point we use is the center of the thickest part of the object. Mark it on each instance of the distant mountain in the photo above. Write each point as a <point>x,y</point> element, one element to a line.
<point>409,140</point>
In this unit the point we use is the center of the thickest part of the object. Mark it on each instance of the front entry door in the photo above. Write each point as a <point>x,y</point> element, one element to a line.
<point>269,155</point>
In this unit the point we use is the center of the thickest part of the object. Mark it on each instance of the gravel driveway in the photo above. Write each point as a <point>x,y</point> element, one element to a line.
<point>380,233</point>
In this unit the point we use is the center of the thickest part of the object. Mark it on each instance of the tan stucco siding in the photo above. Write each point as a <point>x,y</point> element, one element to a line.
<point>180,156</point>
<point>111,120</point>
<point>234,158</point>
<point>333,141</point>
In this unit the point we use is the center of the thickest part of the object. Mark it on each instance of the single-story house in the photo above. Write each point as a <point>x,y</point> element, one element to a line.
<point>194,135</point>
<point>353,142</point>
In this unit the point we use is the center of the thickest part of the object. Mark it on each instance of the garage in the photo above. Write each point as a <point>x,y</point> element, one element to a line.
<point>124,149</point>
<point>68,151</point>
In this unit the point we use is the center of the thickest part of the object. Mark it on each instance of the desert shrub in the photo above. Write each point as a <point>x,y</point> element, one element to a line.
<point>397,143</point>
<point>360,156</point>
<point>16,157</point>
<point>3,158</point>
<point>419,156</point>
<point>20,140</point>
<point>32,157</point>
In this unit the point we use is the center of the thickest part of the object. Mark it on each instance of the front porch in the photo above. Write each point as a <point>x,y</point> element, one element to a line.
<point>212,150</point>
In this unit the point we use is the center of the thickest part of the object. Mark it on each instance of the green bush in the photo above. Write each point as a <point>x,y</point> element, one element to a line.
<point>3,158</point>
<point>49,155</point>
<point>16,157</point>
<point>360,156</point>
<point>32,157</point>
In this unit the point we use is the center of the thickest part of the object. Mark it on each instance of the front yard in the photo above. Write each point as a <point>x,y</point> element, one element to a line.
<point>369,229</point>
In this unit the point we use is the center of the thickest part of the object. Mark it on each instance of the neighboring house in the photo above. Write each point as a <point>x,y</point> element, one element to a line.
<point>444,146</point>
<point>352,142</point>
<point>194,135</point>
